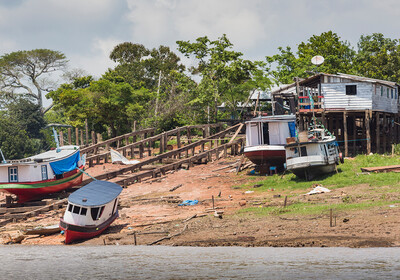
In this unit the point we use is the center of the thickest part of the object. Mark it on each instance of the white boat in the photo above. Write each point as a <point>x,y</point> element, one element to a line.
<point>90,210</point>
<point>266,139</point>
<point>45,173</point>
<point>313,154</point>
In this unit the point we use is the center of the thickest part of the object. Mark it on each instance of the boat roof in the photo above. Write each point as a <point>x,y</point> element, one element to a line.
<point>65,151</point>
<point>96,193</point>
<point>276,118</point>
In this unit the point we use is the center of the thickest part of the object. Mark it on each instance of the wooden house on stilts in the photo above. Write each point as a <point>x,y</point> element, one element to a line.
<point>363,113</point>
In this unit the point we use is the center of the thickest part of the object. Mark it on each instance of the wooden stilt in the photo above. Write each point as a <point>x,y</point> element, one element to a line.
<point>378,132</point>
<point>368,131</point>
<point>346,140</point>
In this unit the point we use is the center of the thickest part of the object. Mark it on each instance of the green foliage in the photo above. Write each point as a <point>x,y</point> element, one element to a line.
<point>338,56</point>
<point>28,116</point>
<point>378,57</point>
<point>105,103</point>
<point>225,75</point>
<point>14,140</point>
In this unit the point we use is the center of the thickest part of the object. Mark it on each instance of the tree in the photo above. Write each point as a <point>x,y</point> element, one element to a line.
<point>104,103</point>
<point>28,117</point>
<point>338,55</point>
<point>378,57</point>
<point>222,71</point>
<point>25,73</point>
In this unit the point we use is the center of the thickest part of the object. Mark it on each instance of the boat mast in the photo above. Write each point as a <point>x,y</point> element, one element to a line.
<point>56,139</point>
<point>4,160</point>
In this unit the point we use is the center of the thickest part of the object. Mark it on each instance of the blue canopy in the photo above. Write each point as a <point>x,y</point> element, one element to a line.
<point>292,129</point>
<point>96,193</point>
<point>65,165</point>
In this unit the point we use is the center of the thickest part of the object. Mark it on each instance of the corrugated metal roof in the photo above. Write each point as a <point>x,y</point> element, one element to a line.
<point>95,193</point>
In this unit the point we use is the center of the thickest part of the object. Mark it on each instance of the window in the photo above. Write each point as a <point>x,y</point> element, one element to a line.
<point>115,204</point>
<point>13,174</point>
<point>101,212</point>
<point>83,211</point>
<point>76,210</point>
<point>303,151</point>
<point>351,89</point>
<point>391,92</point>
<point>94,212</point>
<point>387,92</point>
<point>70,207</point>
<point>381,91</point>
<point>44,172</point>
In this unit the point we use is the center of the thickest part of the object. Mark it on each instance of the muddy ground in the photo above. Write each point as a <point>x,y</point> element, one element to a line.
<point>150,215</point>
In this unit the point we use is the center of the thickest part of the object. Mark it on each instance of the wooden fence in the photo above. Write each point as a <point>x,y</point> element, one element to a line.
<point>147,144</point>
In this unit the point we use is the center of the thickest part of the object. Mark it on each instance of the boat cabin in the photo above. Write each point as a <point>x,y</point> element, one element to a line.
<point>93,204</point>
<point>42,167</point>
<point>271,130</point>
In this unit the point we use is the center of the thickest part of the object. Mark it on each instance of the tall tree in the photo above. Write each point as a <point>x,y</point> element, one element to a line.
<point>378,57</point>
<point>223,71</point>
<point>26,73</point>
<point>338,54</point>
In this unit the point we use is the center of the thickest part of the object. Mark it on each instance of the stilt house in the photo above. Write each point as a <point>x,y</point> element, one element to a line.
<point>363,113</point>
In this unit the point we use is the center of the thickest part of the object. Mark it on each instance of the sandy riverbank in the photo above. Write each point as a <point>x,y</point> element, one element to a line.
<point>149,212</point>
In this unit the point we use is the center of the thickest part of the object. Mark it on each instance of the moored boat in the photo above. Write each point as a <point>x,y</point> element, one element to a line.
<point>45,173</point>
<point>266,139</point>
<point>315,154</point>
<point>90,210</point>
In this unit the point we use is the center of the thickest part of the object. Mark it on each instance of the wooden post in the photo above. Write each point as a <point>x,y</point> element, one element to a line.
<point>330,218</point>
<point>61,138</point>
<point>188,135</point>
<point>178,138</point>
<point>384,133</point>
<point>213,202</point>
<point>368,131</point>
<point>134,235</point>
<point>82,143</point>
<point>69,136</point>
<point>86,132</point>
<point>346,140</point>
<point>378,133</point>
<point>93,138</point>
<point>162,143</point>
<point>77,136</point>
<point>285,202</point>
<point>354,134</point>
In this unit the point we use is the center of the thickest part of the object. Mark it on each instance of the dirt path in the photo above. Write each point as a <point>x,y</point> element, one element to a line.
<point>149,213</point>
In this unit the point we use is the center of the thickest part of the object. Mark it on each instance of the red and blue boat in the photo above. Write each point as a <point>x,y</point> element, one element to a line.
<point>90,210</point>
<point>49,172</point>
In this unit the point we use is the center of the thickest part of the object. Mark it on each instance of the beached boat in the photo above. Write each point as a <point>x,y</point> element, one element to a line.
<point>45,173</point>
<point>90,210</point>
<point>266,139</point>
<point>314,153</point>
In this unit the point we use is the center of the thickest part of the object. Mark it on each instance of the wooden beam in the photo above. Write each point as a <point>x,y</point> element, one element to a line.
<point>368,131</point>
<point>346,140</point>
<point>378,132</point>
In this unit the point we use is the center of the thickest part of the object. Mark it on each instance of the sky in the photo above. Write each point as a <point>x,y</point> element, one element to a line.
<point>87,30</point>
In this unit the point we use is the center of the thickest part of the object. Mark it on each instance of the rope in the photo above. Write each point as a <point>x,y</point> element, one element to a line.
<point>86,173</point>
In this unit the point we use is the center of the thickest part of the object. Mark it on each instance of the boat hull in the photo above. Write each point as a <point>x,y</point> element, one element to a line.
<point>75,232</point>
<point>32,190</point>
<point>311,171</point>
<point>266,155</point>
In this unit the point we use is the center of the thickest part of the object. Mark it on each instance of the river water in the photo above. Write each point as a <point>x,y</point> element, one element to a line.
<point>160,262</point>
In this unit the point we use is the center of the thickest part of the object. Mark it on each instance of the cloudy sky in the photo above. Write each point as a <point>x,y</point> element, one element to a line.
<point>87,30</point>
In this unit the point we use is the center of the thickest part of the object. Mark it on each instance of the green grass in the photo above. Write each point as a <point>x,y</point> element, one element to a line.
<point>349,174</point>
<point>301,208</point>
<point>381,185</point>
